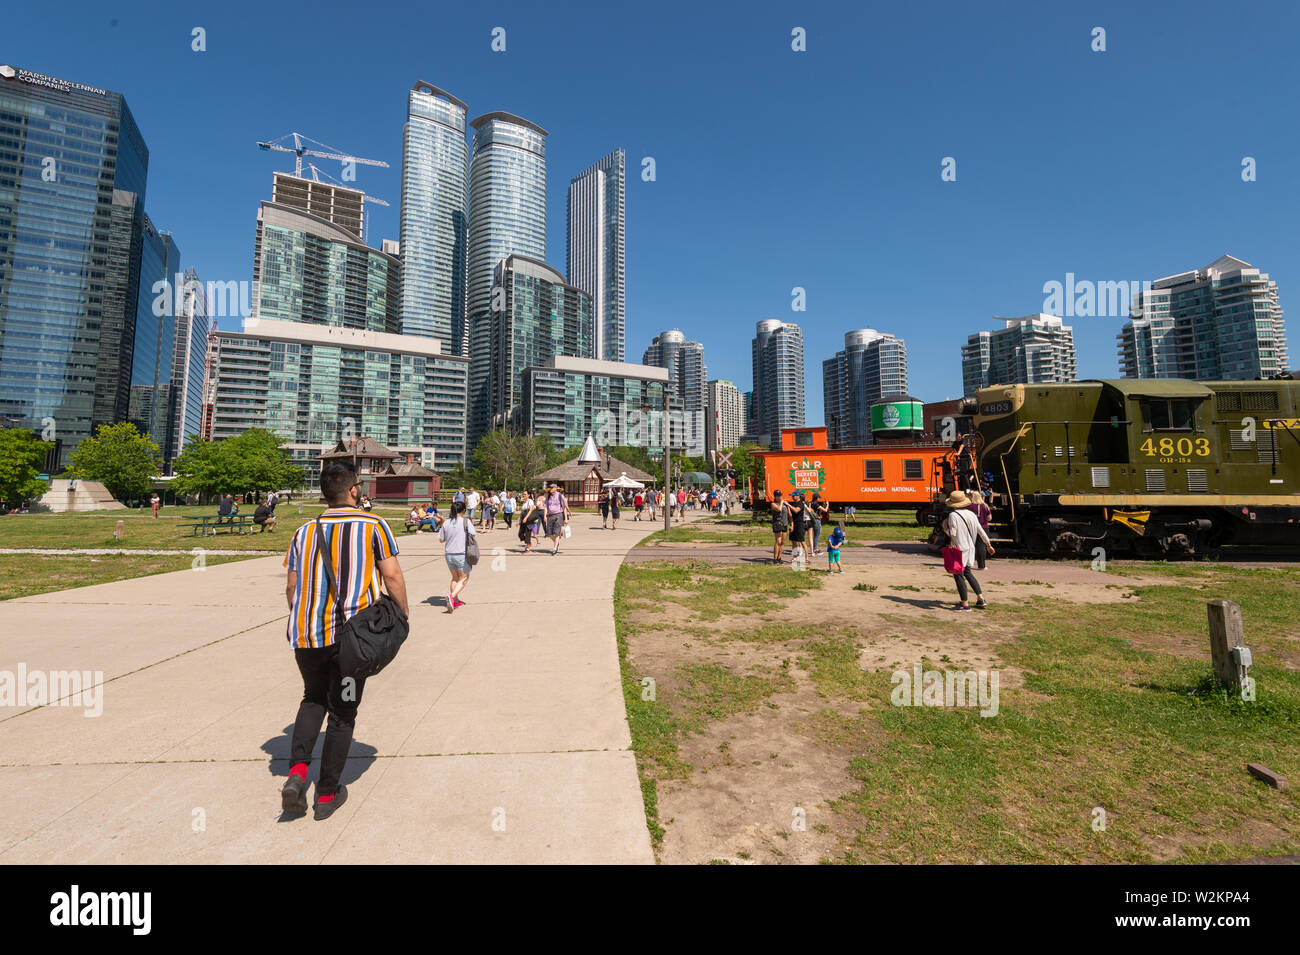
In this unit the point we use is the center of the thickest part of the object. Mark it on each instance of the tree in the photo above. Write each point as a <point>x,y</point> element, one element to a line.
<point>119,456</point>
<point>509,461</point>
<point>22,458</point>
<point>252,461</point>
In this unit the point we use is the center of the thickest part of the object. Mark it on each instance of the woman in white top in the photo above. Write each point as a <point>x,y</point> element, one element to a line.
<point>455,533</point>
<point>963,529</point>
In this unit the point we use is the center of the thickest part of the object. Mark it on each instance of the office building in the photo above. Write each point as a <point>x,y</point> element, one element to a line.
<point>777,354</point>
<point>314,384</point>
<point>434,217</point>
<point>619,403</point>
<point>188,361</point>
<point>596,227</point>
<point>1035,349</point>
<point>725,415</point>
<point>872,365</point>
<point>1219,322</point>
<point>507,216</point>
<point>540,316</point>
<point>154,339</point>
<point>73,167</point>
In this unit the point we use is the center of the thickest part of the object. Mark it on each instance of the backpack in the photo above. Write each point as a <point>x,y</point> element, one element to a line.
<point>781,518</point>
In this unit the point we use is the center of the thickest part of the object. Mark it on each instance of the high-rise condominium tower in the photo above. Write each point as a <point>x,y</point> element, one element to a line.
<point>73,167</point>
<point>1024,351</point>
<point>872,365</point>
<point>507,216</point>
<point>726,415</point>
<point>1222,321</point>
<point>778,380</point>
<point>596,230</point>
<point>435,212</point>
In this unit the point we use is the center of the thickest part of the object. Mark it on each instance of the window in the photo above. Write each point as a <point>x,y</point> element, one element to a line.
<point>803,439</point>
<point>1174,414</point>
<point>875,470</point>
<point>912,470</point>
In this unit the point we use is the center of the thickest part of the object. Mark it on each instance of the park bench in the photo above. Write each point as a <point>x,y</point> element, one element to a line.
<point>212,525</point>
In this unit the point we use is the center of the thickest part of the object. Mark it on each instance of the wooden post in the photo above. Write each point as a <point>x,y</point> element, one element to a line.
<point>1225,633</point>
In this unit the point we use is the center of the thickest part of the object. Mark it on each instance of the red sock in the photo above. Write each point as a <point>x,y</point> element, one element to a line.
<point>300,769</point>
<point>329,798</point>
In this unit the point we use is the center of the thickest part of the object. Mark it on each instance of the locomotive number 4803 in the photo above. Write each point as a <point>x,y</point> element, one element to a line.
<point>1176,447</point>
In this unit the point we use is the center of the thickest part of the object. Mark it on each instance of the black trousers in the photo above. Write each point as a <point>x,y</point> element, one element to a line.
<point>323,692</point>
<point>961,579</point>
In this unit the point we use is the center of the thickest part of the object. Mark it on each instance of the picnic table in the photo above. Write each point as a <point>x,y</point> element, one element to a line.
<point>210,524</point>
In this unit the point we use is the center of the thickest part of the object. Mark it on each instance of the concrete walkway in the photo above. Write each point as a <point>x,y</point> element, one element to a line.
<point>498,736</point>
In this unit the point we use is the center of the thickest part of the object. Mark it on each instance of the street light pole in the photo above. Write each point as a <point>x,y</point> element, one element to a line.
<point>668,460</point>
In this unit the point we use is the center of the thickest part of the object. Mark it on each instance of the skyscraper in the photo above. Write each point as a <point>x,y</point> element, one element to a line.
<point>596,230</point>
<point>1219,322</point>
<point>873,364</point>
<point>507,216</point>
<point>777,353</point>
<point>1025,351</point>
<point>434,217</point>
<point>726,415</point>
<point>73,167</point>
<point>689,375</point>
<point>188,361</point>
<point>540,316</point>
<point>155,338</point>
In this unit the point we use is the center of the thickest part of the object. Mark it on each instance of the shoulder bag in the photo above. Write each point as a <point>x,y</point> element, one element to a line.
<point>471,546</point>
<point>369,639</point>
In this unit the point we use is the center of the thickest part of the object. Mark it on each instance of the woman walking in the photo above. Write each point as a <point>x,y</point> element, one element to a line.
<point>602,505</point>
<point>614,507</point>
<point>455,533</point>
<point>508,508</point>
<point>982,514</point>
<point>528,513</point>
<point>963,529</point>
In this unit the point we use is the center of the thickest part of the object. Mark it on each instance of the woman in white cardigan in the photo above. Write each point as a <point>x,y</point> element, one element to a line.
<point>963,529</point>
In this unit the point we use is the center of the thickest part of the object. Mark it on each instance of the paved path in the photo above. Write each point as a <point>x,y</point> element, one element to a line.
<point>498,736</point>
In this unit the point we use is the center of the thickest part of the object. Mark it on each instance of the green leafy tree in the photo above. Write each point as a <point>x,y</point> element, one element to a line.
<point>22,458</point>
<point>120,457</point>
<point>252,461</point>
<point>510,461</point>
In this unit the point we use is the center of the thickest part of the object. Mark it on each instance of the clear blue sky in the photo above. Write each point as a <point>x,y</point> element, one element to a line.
<point>775,169</point>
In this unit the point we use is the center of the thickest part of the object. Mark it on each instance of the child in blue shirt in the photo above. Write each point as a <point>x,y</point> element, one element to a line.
<point>833,550</point>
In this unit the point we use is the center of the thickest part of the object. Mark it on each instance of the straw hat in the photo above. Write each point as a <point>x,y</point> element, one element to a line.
<point>958,500</point>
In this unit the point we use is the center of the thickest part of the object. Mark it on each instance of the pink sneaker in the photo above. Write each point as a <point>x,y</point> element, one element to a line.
<point>451,604</point>
<point>457,602</point>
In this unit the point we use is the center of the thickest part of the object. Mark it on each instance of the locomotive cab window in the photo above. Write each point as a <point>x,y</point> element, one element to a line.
<point>1168,414</point>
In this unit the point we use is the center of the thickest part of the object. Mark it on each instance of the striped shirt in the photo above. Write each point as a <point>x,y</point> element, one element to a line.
<point>356,542</point>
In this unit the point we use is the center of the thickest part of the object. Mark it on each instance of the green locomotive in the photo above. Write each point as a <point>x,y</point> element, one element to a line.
<point>1155,467</point>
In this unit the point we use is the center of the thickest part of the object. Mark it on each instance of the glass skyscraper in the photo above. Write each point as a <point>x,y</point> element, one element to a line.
<point>777,354</point>
<point>595,252</point>
<point>189,360</point>
<point>1219,322</point>
<point>872,365</point>
<point>507,216</point>
<point>435,212</point>
<point>616,402</point>
<point>541,317</point>
<point>72,186</point>
<point>155,337</point>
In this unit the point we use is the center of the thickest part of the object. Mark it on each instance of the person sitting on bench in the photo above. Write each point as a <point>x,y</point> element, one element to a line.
<point>227,510</point>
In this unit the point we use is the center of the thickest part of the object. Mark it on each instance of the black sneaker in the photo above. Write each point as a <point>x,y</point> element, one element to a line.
<point>326,809</point>
<point>293,797</point>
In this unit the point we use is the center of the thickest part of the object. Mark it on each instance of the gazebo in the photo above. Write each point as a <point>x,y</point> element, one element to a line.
<point>582,478</point>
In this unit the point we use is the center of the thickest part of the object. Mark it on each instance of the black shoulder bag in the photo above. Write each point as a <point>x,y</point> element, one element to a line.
<point>369,639</point>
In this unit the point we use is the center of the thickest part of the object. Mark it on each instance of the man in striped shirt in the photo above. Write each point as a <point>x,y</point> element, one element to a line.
<point>362,551</point>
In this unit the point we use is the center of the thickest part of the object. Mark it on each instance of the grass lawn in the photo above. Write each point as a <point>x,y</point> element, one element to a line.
<point>94,529</point>
<point>22,575</point>
<point>1115,710</point>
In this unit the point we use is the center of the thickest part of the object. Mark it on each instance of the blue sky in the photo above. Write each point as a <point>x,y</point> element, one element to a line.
<point>775,169</point>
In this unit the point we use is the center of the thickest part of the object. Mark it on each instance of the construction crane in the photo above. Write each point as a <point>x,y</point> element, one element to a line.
<point>321,152</point>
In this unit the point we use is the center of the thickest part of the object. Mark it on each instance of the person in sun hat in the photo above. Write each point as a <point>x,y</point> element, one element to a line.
<point>963,530</point>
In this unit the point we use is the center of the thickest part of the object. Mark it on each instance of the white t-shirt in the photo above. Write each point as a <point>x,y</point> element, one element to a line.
<point>672,499</point>
<point>471,501</point>
<point>452,534</point>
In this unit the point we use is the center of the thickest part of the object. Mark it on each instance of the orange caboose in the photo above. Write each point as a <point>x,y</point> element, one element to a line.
<point>878,476</point>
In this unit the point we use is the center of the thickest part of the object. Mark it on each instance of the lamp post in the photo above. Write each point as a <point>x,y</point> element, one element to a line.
<point>668,458</point>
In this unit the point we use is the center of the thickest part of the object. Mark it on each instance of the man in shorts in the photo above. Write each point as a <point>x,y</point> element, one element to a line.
<point>555,510</point>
